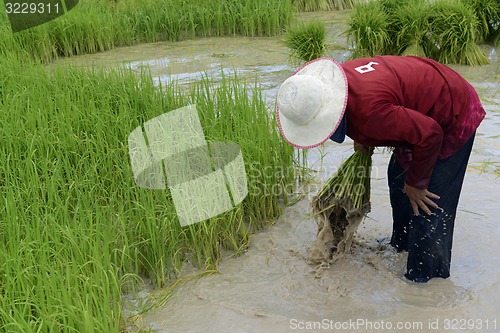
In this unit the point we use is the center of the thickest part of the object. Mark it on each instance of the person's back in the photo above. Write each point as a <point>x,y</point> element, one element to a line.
<point>414,104</point>
<point>416,83</point>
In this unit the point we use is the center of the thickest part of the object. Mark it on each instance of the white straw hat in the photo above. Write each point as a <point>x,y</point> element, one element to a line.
<point>310,104</point>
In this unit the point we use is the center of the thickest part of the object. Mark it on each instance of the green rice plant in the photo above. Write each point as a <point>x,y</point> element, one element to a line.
<point>453,30</point>
<point>306,40</point>
<point>268,18</point>
<point>369,30</point>
<point>322,5</point>
<point>488,14</point>
<point>495,37</point>
<point>411,22</point>
<point>97,25</point>
<point>445,30</point>
<point>76,232</point>
<point>311,5</point>
<point>392,8</point>
<point>36,43</point>
<point>343,4</point>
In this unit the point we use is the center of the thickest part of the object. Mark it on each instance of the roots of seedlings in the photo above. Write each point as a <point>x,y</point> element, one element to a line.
<point>336,228</point>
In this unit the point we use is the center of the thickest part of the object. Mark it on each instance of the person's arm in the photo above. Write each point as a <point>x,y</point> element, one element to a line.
<point>364,149</point>
<point>396,123</point>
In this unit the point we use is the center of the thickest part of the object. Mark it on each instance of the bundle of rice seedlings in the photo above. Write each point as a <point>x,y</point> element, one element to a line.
<point>311,5</point>
<point>368,30</point>
<point>412,27</point>
<point>488,15</point>
<point>339,207</point>
<point>343,4</point>
<point>390,8</point>
<point>454,27</point>
<point>306,40</point>
<point>321,5</point>
<point>495,37</point>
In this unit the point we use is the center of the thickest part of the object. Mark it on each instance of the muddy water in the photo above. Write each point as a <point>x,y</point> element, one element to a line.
<point>271,287</point>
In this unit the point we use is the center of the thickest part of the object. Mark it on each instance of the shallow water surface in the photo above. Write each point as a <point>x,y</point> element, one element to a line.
<point>271,287</point>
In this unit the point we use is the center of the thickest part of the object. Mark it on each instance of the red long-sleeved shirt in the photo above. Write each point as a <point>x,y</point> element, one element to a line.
<point>419,106</point>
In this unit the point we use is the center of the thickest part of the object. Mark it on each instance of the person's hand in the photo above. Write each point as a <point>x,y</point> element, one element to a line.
<point>364,149</point>
<point>420,198</point>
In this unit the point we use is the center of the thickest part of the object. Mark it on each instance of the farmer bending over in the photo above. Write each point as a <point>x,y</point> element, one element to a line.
<point>423,109</point>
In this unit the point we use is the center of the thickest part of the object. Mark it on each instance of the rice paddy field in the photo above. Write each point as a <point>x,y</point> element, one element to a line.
<point>76,232</point>
<point>83,249</point>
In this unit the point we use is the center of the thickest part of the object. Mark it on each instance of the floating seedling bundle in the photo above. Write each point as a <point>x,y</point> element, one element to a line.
<point>306,41</point>
<point>339,207</point>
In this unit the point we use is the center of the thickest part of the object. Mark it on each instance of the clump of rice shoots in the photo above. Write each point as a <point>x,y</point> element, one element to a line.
<point>453,28</point>
<point>390,8</point>
<point>339,207</point>
<point>323,5</point>
<point>494,29</point>
<point>488,15</point>
<point>444,30</point>
<point>368,30</point>
<point>495,37</point>
<point>311,5</point>
<point>343,4</point>
<point>71,213</point>
<point>306,41</point>
<point>412,28</point>
<point>97,25</point>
